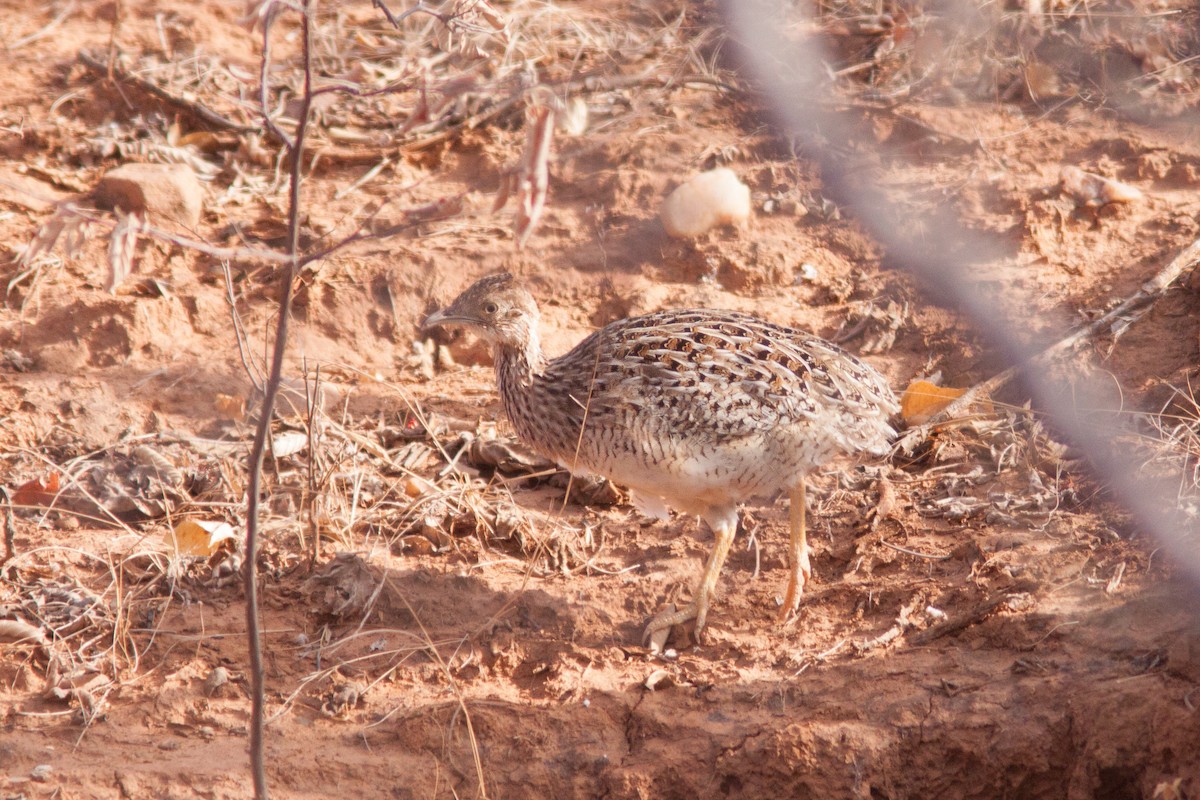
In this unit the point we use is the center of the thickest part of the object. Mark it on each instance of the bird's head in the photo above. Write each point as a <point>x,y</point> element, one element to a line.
<point>498,307</point>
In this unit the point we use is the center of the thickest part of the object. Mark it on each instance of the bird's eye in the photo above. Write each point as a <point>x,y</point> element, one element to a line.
<point>491,308</point>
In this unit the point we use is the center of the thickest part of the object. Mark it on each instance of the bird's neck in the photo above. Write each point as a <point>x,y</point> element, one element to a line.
<point>541,414</point>
<point>519,365</point>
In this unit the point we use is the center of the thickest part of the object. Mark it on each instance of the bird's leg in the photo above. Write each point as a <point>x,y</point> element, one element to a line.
<point>723,530</point>
<point>799,570</point>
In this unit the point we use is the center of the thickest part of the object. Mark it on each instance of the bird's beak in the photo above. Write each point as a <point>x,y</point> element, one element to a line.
<point>439,318</point>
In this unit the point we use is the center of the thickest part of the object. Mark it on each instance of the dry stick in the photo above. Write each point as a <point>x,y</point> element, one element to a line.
<point>286,290</point>
<point>63,13</point>
<point>594,83</point>
<point>973,616</point>
<point>348,155</point>
<point>312,391</point>
<point>263,83</point>
<point>239,330</point>
<point>1127,312</point>
<point>368,230</point>
<point>112,40</point>
<point>219,253</point>
<point>190,106</point>
<point>10,527</point>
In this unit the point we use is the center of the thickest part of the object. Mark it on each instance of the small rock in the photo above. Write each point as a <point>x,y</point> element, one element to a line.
<point>1089,189</point>
<point>163,192</point>
<point>807,273</point>
<point>658,679</point>
<point>790,205</point>
<point>711,198</point>
<point>41,773</point>
<point>215,681</point>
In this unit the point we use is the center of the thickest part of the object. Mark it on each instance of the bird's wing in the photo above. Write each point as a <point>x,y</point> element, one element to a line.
<point>724,373</point>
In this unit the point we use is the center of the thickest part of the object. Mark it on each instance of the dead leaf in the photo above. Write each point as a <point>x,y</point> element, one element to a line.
<point>922,400</point>
<point>157,465</point>
<point>231,406</point>
<point>533,180</point>
<point>39,491</point>
<point>15,631</point>
<point>66,225</point>
<point>201,537</point>
<point>1041,80</point>
<point>207,141</point>
<point>573,120</point>
<point>415,486</point>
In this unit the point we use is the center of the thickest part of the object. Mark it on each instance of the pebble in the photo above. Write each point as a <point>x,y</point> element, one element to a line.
<point>162,192</point>
<point>712,198</point>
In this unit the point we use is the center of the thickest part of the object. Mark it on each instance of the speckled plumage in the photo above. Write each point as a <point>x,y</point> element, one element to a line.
<point>695,409</point>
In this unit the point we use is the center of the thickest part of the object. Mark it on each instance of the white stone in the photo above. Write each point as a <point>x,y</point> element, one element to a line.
<point>710,199</point>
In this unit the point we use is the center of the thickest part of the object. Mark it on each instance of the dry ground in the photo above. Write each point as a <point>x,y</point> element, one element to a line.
<point>1001,629</point>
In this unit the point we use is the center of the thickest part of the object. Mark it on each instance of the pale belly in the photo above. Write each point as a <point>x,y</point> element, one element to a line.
<point>697,480</point>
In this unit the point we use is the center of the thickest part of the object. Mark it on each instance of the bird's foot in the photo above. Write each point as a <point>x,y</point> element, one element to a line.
<point>660,625</point>
<point>801,573</point>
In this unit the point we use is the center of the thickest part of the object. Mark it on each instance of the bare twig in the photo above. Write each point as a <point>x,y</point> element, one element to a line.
<point>253,370</point>
<point>64,12</point>
<point>261,434</point>
<point>312,393</point>
<point>118,13</point>
<point>915,553</point>
<point>190,106</point>
<point>10,527</point>
<point>973,616</point>
<point>263,83</point>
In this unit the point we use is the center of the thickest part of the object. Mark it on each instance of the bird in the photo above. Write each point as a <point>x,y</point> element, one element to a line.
<point>697,410</point>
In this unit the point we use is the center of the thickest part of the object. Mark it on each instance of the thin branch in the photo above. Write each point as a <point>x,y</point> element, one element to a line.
<point>10,527</point>
<point>261,434</point>
<point>430,212</point>
<point>264,73</point>
<point>191,106</point>
<point>66,11</point>
<point>239,332</point>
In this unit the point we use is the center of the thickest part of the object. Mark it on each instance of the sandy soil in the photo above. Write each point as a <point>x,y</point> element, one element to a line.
<point>1000,628</point>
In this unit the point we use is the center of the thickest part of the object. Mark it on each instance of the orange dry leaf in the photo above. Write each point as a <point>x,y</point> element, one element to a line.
<point>201,537</point>
<point>231,406</point>
<point>37,492</point>
<point>922,399</point>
